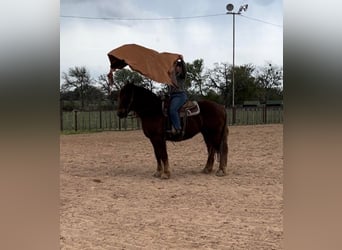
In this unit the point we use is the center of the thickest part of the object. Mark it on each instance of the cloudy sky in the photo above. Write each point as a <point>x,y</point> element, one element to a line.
<point>196,29</point>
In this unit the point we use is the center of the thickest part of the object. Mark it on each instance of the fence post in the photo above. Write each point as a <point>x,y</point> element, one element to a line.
<point>89,124</point>
<point>265,114</point>
<point>100,119</point>
<point>234,115</point>
<point>138,122</point>
<point>132,123</point>
<point>75,120</point>
<point>61,114</point>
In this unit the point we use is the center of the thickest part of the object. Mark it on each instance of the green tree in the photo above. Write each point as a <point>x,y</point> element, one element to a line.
<point>148,83</point>
<point>219,80</point>
<point>78,79</point>
<point>110,93</point>
<point>195,79</point>
<point>269,82</point>
<point>213,96</point>
<point>122,76</point>
<point>93,94</point>
<point>104,84</point>
<point>245,87</point>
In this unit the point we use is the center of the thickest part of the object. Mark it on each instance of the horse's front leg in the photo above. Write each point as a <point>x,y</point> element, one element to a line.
<point>159,146</point>
<point>159,171</point>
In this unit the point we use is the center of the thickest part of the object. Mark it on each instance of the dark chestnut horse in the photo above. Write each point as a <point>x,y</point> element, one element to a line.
<point>211,122</point>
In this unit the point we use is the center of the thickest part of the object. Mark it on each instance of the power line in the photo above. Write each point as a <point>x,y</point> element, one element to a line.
<point>162,18</point>
<point>258,20</point>
<point>141,19</point>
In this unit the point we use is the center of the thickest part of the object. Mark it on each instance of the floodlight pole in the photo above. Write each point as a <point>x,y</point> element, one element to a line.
<point>230,7</point>
<point>233,73</point>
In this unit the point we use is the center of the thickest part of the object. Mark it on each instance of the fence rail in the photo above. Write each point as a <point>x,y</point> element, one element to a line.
<point>108,120</point>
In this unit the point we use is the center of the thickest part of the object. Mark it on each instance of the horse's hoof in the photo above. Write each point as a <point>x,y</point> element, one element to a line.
<point>220,173</point>
<point>157,174</point>
<point>206,171</point>
<point>165,175</point>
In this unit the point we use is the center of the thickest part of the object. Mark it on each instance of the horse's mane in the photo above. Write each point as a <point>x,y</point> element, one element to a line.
<point>144,92</point>
<point>148,103</point>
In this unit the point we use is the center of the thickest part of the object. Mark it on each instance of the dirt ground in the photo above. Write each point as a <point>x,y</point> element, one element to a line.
<point>110,200</point>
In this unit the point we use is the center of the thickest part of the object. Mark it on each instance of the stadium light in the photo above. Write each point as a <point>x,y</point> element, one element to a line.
<point>230,8</point>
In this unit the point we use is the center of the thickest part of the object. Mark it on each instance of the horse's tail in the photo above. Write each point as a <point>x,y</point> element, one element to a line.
<point>224,135</point>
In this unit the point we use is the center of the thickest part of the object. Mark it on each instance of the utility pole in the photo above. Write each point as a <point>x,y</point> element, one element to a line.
<point>230,8</point>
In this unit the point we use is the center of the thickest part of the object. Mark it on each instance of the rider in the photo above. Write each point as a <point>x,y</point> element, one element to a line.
<point>177,95</point>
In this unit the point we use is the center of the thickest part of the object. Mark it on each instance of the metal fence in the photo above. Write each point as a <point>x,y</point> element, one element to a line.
<point>74,121</point>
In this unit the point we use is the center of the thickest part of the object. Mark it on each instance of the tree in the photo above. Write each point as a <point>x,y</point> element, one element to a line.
<point>245,87</point>
<point>213,96</point>
<point>195,79</point>
<point>106,87</point>
<point>246,84</point>
<point>104,84</point>
<point>219,79</point>
<point>148,83</point>
<point>269,81</point>
<point>123,75</point>
<point>78,79</point>
<point>93,94</point>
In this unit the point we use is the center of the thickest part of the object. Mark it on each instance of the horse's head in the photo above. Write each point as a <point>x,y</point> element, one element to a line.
<point>125,100</point>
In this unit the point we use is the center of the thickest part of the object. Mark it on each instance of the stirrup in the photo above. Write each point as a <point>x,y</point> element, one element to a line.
<point>174,132</point>
<point>178,132</point>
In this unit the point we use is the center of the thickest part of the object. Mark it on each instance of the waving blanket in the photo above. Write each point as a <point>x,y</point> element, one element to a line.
<point>150,63</point>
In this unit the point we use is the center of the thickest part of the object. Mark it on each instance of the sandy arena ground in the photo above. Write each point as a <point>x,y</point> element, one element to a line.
<point>110,200</point>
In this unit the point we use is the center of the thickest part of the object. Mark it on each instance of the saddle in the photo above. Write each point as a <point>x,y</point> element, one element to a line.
<point>189,108</point>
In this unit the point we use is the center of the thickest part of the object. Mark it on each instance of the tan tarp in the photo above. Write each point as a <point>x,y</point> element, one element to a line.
<point>150,63</point>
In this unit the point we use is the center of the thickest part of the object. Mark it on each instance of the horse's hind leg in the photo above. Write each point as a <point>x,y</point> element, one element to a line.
<point>222,171</point>
<point>210,161</point>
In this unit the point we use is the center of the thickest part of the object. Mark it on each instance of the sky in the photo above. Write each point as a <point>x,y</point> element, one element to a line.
<point>196,29</point>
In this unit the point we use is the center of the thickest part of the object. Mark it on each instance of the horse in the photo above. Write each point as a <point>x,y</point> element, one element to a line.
<point>211,122</point>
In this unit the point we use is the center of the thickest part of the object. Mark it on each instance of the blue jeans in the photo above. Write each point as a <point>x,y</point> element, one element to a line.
<point>177,100</point>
